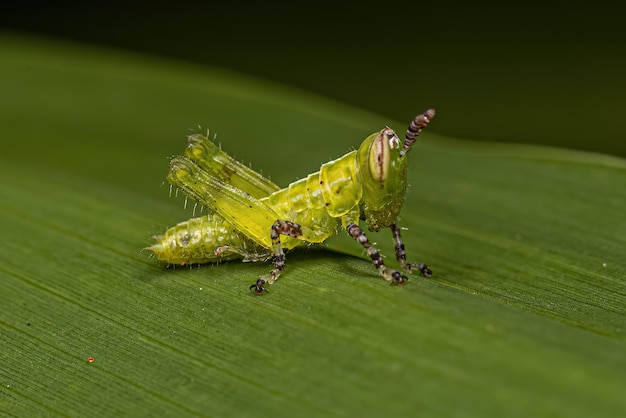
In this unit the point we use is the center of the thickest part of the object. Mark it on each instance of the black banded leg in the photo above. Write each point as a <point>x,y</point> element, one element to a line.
<point>278,228</point>
<point>392,276</point>
<point>401,255</point>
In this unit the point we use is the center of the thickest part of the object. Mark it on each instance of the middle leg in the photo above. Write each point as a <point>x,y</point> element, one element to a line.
<point>279,228</point>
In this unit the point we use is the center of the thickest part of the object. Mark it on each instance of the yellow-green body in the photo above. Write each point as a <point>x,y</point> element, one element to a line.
<point>250,217</point>
<point>244,204</point>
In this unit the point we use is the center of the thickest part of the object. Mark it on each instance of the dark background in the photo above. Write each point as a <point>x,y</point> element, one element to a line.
<point>533,72</point>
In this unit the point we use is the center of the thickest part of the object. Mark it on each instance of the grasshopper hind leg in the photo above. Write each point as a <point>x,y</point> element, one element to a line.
<point>247,256</point>
<point>278,228</point>
<point>401,255</point>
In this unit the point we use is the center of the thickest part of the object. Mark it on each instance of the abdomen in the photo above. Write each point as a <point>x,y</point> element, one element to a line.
<point>195,241</point>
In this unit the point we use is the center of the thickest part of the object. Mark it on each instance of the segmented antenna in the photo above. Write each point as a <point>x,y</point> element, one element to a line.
<point>415,127</point>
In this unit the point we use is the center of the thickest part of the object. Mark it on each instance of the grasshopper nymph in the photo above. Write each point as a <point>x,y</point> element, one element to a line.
<point>249,213</point>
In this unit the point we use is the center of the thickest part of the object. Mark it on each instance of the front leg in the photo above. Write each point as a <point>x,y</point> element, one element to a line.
<point>278,228</point>
<point>392,276</point>
<point>401,255</point>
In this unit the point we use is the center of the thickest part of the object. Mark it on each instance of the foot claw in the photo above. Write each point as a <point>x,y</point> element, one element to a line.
<point>397,278</point>
<point>424,270</point>
<point>259,287</point>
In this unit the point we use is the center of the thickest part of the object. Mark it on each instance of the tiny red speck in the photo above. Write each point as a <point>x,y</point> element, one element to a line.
<point>91,359</point>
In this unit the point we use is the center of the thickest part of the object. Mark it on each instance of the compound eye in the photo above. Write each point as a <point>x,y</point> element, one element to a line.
<point>379,155</point>
<point>394,141</point>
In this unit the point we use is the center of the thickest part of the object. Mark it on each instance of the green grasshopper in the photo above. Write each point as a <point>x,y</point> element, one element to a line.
<point>249,213</point>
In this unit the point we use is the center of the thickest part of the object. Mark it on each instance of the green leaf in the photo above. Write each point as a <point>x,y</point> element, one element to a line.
<point>524,315</point>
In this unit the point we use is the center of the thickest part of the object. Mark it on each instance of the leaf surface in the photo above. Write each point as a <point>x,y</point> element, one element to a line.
<point>524,315</point>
